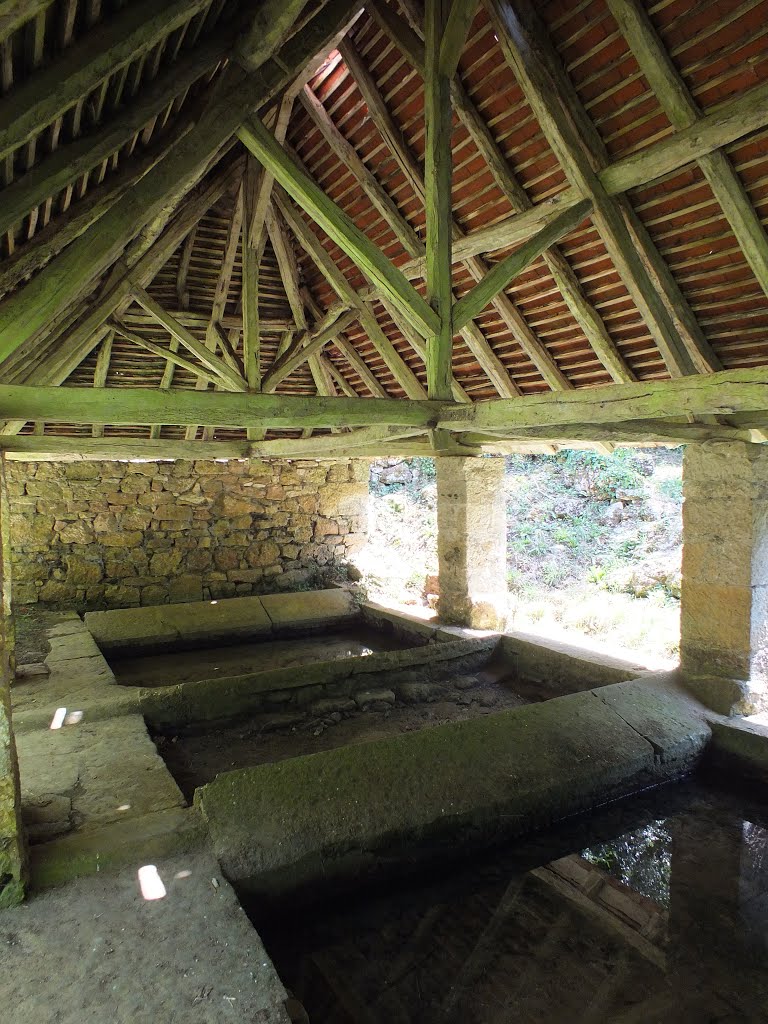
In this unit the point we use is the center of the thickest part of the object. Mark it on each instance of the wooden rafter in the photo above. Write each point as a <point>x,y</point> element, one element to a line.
<point>81,68</point>
<point>322,260</point>
<point>35,307</point>
<point>683,112</point>
<point>337,224</point>
<point>504,272</point>
<point>578,148</point>
<point>220,369</point>
<point>736,393</point>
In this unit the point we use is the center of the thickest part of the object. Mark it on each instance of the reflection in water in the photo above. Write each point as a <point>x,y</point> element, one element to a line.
<point>666,922</point>
<point>641,860</point>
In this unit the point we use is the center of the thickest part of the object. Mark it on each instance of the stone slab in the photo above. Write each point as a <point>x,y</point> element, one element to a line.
<point>111,956</point>
<point>277,827</point>
<point>740,748</point>
<point>110,770</point>
<point>657,709</point>
<point>563,667</point>
<point>224,698</point>
<point>129,629</point>
<point>309,609</point>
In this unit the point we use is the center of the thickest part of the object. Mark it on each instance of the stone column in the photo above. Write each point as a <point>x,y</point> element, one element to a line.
<point>11,841</point>
<point>471,541</point>
<point>724,595</point>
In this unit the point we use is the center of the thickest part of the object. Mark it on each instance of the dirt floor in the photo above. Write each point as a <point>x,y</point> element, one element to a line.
<point>169,668</point>
<point>262,738</point>
<point>96,951</point>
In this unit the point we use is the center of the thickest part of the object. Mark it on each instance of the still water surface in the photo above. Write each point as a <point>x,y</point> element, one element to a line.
<point>655,910</point>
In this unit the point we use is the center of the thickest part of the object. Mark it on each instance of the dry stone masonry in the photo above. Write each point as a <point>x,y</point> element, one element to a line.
<point>119,534</point>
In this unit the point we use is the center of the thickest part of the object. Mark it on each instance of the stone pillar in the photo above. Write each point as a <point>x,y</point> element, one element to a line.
<point>471,541</point>
<point>11,841</point>
<point>724,595</point>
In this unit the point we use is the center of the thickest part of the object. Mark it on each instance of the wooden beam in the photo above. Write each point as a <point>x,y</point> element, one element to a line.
<point>15,13</point>
<point>680,108</point>
<point>52,90</point>
<point>503,273</point>
<point>250,282</point>
<point>564,276</point>
<point>337,225</point>
<point>67,279</point>
<point>320,256</point>
<point>100,374</point>
<point>438,177</point>
<point>574,140</point>
<point>411,168</point>
<point>347,153</point>
<point>716,394</point>
<point>288,267</point>
<point>308,344</point>
<point>69,162</point>
<point>220,370</point>
<point>629,431</point>
<point>462,13</point>
<point>270,25</point>
<point>170,355</point>
<point>724,124</point>
<point>31,448</point>
<point>142,405</point>
<point>327,446</point>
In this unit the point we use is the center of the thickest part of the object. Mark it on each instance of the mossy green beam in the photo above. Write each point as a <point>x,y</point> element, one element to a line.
<point>503,273</point>
<point>338,226</point>
<point>50,92</point>
<point>142,405</point>
<point>438,176</point>
<point>70,276</point>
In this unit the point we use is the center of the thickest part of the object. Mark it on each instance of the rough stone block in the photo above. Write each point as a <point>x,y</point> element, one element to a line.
<point>312,608</point>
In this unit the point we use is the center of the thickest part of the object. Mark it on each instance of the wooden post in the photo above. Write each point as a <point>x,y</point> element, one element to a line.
<point>438,179</point>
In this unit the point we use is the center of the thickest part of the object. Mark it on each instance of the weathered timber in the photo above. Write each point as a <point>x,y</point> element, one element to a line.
<point>462,13</point>
<point>168,354</point>
<point>716,394</point>
<point>307,345</point>
<point>224,373</point>
<point>288,267</point>
<point>508,269</point>
<point>322,259</point>
<point>438,179</point>
<point>678,104</point>
<point>537,68</point>
<point>372,188</point>
<point>141,405</point>
<point>723,124</point>
<point>15,13</point>
<point>67,278</point>
<point>100,374</point>
<point>68,162</point>
<point>250,282</point>
<point>81,67</point>
<point>270,24</point>
<point>337,225</point>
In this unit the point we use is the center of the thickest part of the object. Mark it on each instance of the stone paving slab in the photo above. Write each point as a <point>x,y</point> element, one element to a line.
<point>96,950</point>
<point>107,771</point>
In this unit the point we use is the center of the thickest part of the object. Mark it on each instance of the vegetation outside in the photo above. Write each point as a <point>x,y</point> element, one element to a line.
<point>593,544</point>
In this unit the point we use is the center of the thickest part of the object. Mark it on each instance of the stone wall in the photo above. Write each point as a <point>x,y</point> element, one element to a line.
<point>116,534</point>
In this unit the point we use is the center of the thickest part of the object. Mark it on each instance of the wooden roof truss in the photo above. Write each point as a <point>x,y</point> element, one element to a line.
<point>323,227</point>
